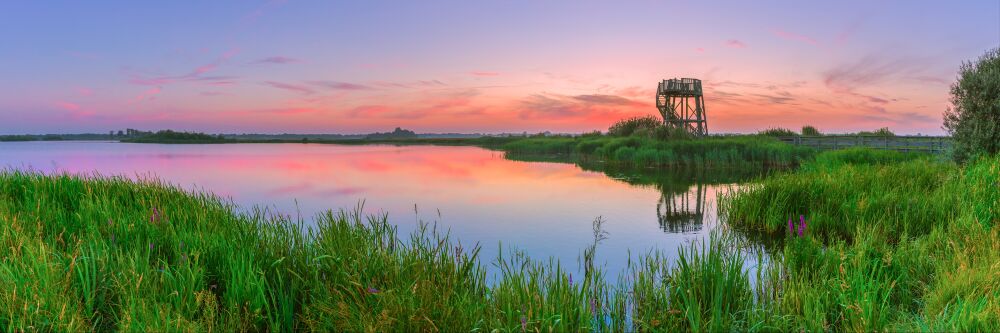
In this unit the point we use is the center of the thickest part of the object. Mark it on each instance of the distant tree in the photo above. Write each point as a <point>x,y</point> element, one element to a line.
<point>974,118</point>
<point>777,131</point>
<point>884,131</point>
<point>811,131</point>
<point>629,126</point>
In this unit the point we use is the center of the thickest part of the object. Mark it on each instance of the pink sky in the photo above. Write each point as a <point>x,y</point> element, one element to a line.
<point>299,67</point>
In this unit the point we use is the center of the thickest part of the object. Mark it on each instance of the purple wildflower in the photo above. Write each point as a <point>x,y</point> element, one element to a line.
<point>593,306</point>
<point>791,229</point>
<point>372,290</point>
<point>154,216</point>
<point>802,225</point>
<point>151,246</point>
<point>524,323</point>
<point>571,279</point>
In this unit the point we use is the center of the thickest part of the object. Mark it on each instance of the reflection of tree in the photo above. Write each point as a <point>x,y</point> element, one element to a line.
<point>682,212</point>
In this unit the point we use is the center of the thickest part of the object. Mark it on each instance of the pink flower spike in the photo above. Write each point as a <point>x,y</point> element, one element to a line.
<point>791,227</point>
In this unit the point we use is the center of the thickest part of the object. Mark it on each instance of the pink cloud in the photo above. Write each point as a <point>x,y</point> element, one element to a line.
<point>483,73</point>
<point>340,85</point>
<point>699,49</point>
<point>194,76</point>
<point>68,106</point>
<point>368,111</point>
<point>793,36</point>
<point>291,87</point>
<point>736,44</point>
<point>84,91</point>
<point>145,95</point>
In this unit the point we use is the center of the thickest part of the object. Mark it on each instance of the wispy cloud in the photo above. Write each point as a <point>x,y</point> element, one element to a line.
<point>736,44</point>
<point>68,106</point>
<point>484,73</point>
<point>335,85</point>
<point>553,106</point>
<point>412,84</point>
<point>302,89</point>
<point>148,94</point>
<point>194,75</point>
<point>277,60</point>
<point>794,36</point>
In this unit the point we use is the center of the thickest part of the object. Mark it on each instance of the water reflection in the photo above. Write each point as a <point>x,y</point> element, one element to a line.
<point>543,209</point>
<point>682,212</point>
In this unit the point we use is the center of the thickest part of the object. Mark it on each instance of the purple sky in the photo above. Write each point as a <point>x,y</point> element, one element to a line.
<point>478,66</point>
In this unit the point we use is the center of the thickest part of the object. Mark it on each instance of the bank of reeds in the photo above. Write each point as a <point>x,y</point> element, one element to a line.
<point>893,241</point>
<point>710,152</point>
<point>95,253</point>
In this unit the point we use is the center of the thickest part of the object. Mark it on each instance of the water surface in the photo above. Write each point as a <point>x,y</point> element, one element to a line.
<point>545,209</point>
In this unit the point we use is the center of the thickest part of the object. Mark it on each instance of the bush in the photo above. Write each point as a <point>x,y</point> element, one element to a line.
<point>632,125</point>
<point>884,131</point>
<point>777,131</point>
<point>809,130</point>
<point>974,118</point>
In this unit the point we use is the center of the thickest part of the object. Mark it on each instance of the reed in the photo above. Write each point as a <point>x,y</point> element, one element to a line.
<point>108,253</point>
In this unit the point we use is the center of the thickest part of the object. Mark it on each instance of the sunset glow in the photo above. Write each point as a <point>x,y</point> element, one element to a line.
<point>488,67</point>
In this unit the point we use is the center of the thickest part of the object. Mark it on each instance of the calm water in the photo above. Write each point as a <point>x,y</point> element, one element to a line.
<point>544,209</point>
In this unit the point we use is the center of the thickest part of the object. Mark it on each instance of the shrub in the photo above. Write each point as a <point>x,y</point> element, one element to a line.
<point>626,127</point>
<point>777,131</point>
<point>884,131</point>
<point>809,130</point>
<point>974,118</point>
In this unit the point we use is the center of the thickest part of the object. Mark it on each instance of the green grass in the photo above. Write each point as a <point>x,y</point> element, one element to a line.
<point>712,152</point>
<point>893,241</point>
<point>96,253</point>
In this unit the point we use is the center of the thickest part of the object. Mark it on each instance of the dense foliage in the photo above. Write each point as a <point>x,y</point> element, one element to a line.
<point>629,126</point>
<point>641,151</point>
<point>778,131</point>
<point>398,133</point>
<point>810,131</point>
<point>974,119</point>
<point>170,136</point>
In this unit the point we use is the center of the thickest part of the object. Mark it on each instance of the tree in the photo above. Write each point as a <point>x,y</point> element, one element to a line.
<point>810,131</point>
<point>974,118</point>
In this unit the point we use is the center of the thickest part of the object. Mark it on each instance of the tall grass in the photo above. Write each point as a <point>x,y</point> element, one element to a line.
<point>712,152</point>
<point>894,242</point>
<point>97,253</point>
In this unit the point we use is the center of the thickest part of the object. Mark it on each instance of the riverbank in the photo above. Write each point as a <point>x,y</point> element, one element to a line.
<point>891,242</point>
<point>741,151</point>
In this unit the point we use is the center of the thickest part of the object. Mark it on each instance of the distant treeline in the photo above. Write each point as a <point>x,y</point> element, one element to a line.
<point>55,137</point>
<point>812,131</point>
<point>169,136</point>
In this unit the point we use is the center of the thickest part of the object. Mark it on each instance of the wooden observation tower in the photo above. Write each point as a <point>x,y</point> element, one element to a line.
<point>681,104</point>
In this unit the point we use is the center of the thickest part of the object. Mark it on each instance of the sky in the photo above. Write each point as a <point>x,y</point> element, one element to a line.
<point>301,66</point>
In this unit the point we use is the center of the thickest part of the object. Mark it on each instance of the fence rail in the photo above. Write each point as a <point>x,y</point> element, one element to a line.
<point>930,144</point>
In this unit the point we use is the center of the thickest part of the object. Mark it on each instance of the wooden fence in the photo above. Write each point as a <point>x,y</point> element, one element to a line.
<point>930,144</point>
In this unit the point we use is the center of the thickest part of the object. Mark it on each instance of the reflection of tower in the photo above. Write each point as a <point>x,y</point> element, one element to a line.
<point>676,212</point>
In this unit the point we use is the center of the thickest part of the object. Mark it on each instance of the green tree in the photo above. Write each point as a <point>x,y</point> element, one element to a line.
<point>810,131</point>
<point>974,118</point>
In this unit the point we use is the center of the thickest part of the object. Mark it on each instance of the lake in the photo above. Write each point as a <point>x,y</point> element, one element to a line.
<point>544,209</point>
